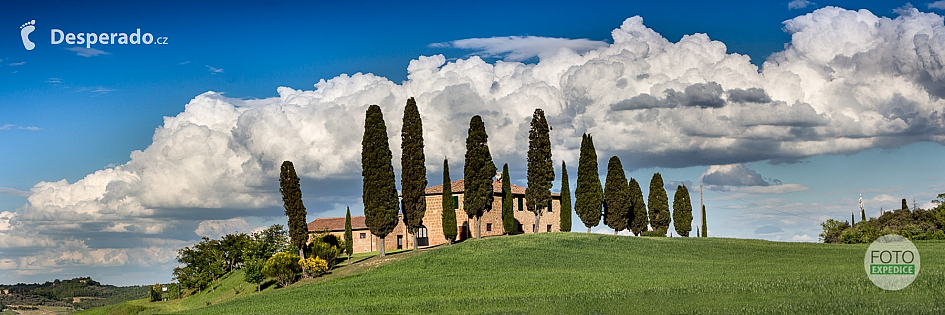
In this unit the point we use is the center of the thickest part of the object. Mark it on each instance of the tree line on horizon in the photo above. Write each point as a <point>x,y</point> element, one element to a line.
<point>913,224</point>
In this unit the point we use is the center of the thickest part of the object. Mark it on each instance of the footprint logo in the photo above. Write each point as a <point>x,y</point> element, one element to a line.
<point>25,31</point>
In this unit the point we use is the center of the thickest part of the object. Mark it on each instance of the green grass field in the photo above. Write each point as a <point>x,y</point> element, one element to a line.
<point>593,273</point>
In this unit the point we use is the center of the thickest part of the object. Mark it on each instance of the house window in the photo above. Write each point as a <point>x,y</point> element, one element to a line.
<point>455,202</point>
<point>549,205</point>
<point>488,227</point>
<point>549,227</point>
<point>423,236</point>
<point>520,205</point>
<point>363,235</point>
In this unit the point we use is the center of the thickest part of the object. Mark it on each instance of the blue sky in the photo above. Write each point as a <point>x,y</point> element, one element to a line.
<point>817,140</point>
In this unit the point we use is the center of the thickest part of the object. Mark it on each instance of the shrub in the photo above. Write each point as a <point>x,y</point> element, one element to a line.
<point>282,266</point>
<point>832,230</point>
<point>327,247</point>
<point>315,265</point>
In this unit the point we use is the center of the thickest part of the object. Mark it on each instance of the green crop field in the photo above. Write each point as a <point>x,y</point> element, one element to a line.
<point>593,273</point>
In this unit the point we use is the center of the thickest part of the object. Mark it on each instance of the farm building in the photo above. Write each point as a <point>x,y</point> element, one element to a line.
<point>431,234</point>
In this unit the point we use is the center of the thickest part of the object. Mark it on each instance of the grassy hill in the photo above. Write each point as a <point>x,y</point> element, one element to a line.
<point>592,273</point>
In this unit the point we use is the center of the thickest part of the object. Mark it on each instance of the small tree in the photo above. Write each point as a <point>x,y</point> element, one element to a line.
<point>282,266</point>
<point>448,216</point>
<point>294,209</point>
<point>565,219</point>
<point>508,216</point>
<point>478,172</point>
<point>705,228</point>
<point>349,239</point>
<point>379,191</point>
<point>541,172</point>
<point>639,221</point>
<point>616,196</point>
<point>588,194</point>
<point>658,205</point>
<point>413,179</point>
<point>682,211</point>
<point>252,269</point>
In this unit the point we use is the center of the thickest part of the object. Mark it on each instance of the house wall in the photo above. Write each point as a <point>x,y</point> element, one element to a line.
<point>370,241</point>
<point>433,221</point>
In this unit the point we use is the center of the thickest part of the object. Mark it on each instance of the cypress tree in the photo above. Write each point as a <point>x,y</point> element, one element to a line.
<point>477,172</point>
<point>682,211</point>
<point>658,205</point>
<point>905,205</point>
<point>616,196</point>
<point>639,221</point>
<point>379,191</point>
<point>862,215</point>
<point>589,195</point>
<point>349,239</point>
<point>705,228</point>
<point>413,178</point>
<point>508,217</point>
<point>448,215</point>
<point>565,219</point>
<point>294,209</point>
<point>541,172</point>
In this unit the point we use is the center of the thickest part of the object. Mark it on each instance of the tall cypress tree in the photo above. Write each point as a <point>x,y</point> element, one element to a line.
<point>705,228</point>
<point>589,195</point>
<point>448,215</point>
<point>565,219</point>
<point>541,171</point>
<point>658,205</point>
<point>477,172</point>
<point>905,205</point>
<point>379,191</point>
<point>639,221</point>
<point>294,209</point>
<point>682,211</point>
<point>616,196</point>
<point>508,216</point>
<point>349,239</point>
<point>413,178</point>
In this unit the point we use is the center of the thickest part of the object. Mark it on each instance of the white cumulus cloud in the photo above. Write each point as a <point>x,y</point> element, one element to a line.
<point>847,81</point>
<point>799,4</point>
<point>520,48</point>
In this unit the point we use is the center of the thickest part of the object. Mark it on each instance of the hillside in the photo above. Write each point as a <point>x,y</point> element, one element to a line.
<point>592,273</point>
<point>78,293</point>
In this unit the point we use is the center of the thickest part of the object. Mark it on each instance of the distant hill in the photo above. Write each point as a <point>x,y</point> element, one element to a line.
<point>78,293</point>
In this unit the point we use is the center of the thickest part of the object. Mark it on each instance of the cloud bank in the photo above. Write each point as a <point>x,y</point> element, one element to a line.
<point>848,81</point>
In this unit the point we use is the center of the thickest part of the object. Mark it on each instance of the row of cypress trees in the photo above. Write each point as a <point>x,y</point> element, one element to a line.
<point>620,203</point>
<point>379,192</point>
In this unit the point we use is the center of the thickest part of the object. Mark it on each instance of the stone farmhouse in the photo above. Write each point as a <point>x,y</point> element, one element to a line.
<point>431,234</point>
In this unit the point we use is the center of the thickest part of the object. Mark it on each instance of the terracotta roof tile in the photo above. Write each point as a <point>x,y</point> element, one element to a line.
<point>336,224</point>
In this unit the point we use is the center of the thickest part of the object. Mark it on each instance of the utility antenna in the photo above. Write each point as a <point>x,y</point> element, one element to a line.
<point>861,202</point>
